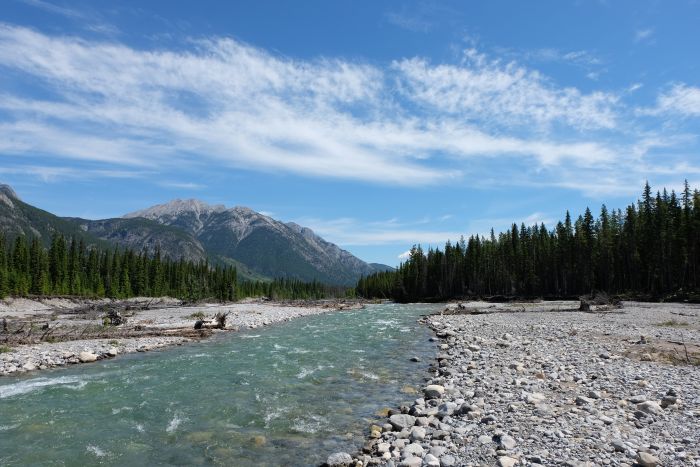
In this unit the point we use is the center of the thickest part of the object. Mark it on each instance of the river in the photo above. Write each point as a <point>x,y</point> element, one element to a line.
<point>290,394</point>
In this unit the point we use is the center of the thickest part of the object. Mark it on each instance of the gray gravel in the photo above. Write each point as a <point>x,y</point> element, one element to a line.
<point>521,387</point>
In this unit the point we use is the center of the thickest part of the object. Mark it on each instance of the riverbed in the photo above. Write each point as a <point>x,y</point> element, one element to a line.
<point>290,394</point>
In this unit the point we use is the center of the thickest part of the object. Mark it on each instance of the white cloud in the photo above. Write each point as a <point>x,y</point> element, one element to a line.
<point>52,174</point>
<point>643,34</point>
<point>228,104</point>
<point>680,99</point>
<point>502,93</point>
<point>405,255</point>
<point>89,21</point>
<point>353,232</point>
<point>182,185</point>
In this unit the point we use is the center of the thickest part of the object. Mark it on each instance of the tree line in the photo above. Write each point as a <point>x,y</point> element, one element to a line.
<point>649,250</point>
<point>292,289</point>
<point>69,267</point>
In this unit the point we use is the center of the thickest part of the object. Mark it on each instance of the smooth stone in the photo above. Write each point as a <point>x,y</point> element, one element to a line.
<point>417,433</point>
<point>383,447</point>
<point>505,461</point>
<point>433,391</point>
<point>413,449</point>
<point>402,421</point>
<point>650,407</point>
<point>339,459</point>
<point>647,460</point>
<point>619,445</point>
<point>580,400</point>
<point>448,461</point>
<point>87,357</point>
<point>411,462</point>
<point>431,461</point>
<point>507,442</point>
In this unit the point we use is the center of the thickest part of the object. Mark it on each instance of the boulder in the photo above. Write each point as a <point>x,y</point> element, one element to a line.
<point>401,422</point>
<point>433,391</point>
<point>417,433</point>
<point>412,450</point>
<point>650,407</point>
<point>647,460</point>
<point>505,461</point>
<point>87,357</point>
<point>339,459</point>
<point>506,442</point>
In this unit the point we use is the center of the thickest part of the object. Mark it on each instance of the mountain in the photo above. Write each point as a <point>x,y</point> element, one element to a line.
<point>268,247</point>
<point>20,218</point>
<point>259,246</point>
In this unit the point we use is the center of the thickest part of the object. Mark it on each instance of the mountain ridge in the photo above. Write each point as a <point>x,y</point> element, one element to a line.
<point>270,247</point>
<point>258,245</point>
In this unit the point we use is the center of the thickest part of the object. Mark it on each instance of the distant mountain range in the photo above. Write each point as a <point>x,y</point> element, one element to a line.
<point>258,245</point>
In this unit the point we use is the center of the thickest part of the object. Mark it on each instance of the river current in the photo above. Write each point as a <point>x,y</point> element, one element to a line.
<point>290,394</point>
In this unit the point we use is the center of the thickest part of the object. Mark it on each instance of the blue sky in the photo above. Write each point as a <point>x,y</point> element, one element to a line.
<point>377,124</point>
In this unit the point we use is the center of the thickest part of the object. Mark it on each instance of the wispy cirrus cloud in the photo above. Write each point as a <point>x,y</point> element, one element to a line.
<point>227,104</point>
<point>348,231</point>
<point>504,94</point>
<point>680,99</point>
<point>644,35</point>
<point>89,21</point>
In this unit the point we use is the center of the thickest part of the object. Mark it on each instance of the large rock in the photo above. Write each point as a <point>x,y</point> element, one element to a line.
<point>506,442</point>
<point>446,409</point>
<point>417,433</point>
<point>412,450</point>
<point>402,421</point>
<point>650,407</point>
<point>87,357</point>
<point>339,459</point>
<point>505,461</point>
<point>433,391</point>
<point>647,460</point>
<point>431,461</point>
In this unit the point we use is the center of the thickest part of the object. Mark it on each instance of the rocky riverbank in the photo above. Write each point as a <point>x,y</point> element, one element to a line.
<point>529,384</point>
<point>81,335</point>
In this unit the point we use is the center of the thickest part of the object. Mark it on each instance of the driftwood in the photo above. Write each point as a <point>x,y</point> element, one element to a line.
<point>598,302</point>
<point>115,318</point>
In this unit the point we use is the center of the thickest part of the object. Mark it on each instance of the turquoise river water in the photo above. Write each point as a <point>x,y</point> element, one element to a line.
<point>290,394</point>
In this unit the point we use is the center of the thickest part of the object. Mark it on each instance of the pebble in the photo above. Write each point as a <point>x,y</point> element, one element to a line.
<point>551,396</point>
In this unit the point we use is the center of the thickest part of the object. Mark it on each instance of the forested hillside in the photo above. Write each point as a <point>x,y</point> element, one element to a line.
<point>651,249</point>
<point>71,268</point>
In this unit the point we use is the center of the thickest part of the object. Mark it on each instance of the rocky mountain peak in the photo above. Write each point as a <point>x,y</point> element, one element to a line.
<point>8,191</point>
<point>7,194</point>
<point>178,207</point>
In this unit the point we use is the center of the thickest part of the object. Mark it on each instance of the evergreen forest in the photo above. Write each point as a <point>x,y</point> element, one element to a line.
<point>69,268</point>
<point>650,250</point>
